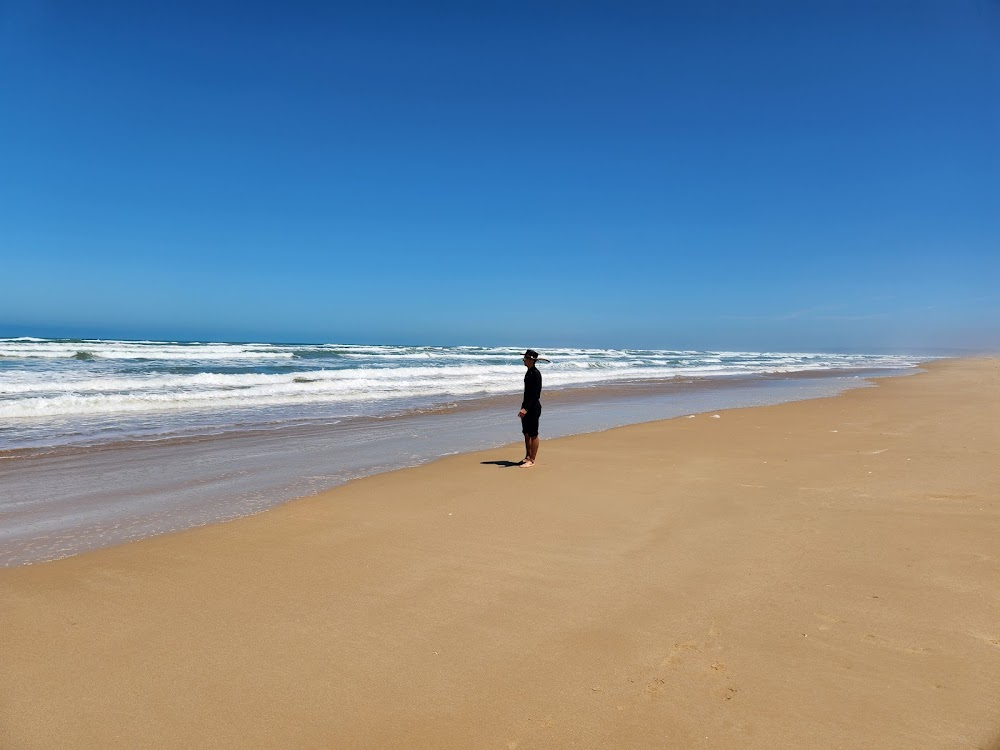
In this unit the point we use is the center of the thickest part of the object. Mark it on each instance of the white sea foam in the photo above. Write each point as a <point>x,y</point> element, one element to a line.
<point>31,349</point>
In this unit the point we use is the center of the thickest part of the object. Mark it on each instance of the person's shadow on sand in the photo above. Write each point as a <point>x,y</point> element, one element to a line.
<point>502,464</point>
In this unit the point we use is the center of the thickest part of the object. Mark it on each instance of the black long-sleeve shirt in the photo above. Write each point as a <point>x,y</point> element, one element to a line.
<point>532,389</point>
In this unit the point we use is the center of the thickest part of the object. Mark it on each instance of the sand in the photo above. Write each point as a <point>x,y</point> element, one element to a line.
<point>822,574</point>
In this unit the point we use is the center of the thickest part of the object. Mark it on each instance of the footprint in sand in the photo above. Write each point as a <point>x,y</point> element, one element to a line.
<point>692,659</point>
<point>680,650</point>
<point>989,639</point>
<point>677,653</point>
<point>828,620</point>
<point>655,685</point>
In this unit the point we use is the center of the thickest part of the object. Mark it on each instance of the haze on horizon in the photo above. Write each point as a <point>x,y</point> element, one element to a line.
<point>787,176</point>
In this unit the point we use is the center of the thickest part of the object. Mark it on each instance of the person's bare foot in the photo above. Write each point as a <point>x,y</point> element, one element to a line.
<point>526,463</point>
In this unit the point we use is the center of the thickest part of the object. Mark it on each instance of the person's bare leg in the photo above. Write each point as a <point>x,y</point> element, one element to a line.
<point>527,449</point>
<point>532,446</point>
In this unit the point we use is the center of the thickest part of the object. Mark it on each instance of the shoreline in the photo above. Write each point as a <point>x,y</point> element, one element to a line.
<point>67,502</point>
<point>557,394</point>
<point>813,574</point>
<point>140,391</point>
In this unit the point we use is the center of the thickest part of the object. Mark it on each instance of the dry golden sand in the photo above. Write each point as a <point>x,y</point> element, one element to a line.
<point>824,574</point>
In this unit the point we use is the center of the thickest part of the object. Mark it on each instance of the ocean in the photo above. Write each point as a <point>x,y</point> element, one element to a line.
<point>105,441</point>
<point>69,392</point>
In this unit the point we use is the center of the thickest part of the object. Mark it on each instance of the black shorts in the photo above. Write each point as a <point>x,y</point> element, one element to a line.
<point>529,422</point>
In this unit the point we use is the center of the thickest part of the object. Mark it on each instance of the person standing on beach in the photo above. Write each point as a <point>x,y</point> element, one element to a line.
<point>531,408</point>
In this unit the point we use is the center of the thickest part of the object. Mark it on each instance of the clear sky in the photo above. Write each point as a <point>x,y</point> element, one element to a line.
<point>789,175</point>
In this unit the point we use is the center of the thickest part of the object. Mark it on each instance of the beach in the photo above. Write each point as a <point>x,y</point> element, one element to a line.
<point>106,441</point>
<point>817,574</point>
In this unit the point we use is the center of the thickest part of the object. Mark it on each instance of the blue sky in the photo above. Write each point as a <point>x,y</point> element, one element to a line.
<point>791,175</point>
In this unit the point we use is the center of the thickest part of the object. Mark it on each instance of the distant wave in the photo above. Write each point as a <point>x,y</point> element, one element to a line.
<point>25,348</point>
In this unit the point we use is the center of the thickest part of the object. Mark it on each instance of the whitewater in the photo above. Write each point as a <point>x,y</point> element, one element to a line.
<point>85,392</point>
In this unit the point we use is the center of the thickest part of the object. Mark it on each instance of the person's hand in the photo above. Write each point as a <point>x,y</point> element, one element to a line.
<point>521,413</point>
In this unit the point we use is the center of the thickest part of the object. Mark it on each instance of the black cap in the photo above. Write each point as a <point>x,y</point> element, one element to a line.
<point>531,354</point>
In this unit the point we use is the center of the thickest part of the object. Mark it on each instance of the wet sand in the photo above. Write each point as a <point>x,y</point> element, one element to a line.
<point>818,574</point>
